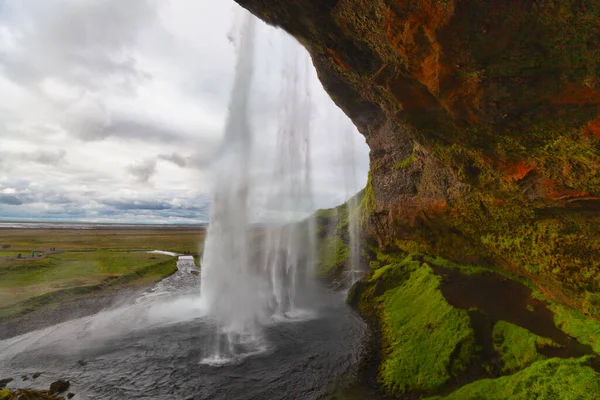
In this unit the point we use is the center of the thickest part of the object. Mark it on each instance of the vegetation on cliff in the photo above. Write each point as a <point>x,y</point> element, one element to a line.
<point>444,325</point>
<point>333,238</point>
<point>567,379</point>
<point>517,347</point>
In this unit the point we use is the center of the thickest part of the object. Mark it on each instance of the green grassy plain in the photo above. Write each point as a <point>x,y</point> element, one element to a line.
<point>84,261</point>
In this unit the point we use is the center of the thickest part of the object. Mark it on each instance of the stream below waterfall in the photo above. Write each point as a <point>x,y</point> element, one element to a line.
<point>154,349</point>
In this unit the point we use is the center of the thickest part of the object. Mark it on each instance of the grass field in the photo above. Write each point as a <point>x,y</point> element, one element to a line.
<point>84,261</point>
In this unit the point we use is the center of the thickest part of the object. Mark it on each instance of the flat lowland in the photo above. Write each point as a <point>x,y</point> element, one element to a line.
<point>71,272</point>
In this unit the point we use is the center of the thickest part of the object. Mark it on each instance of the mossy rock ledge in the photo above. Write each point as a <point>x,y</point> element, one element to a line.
<point>466,332</point>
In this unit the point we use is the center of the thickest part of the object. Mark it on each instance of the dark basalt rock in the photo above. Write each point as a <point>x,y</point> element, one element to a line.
<point>4,382</point>
<point>59,386</point>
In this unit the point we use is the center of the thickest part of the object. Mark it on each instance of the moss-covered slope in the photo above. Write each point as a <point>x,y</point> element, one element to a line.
<point>564,379</point>
<point>461,330</point>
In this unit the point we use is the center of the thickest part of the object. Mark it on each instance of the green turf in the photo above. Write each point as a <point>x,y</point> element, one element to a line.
<point>553,379</point>
<point>425,340</point>
<point>10,253</point>
<point>86,262</point>
<point>581,327</point>
<point>517,346</point>
<point>25,278</point>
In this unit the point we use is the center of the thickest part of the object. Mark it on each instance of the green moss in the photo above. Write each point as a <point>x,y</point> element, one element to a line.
<point>426,341</point>
<point>393,275</point>
<point>367,203</point>
<point>564,379</point>
<point>6,394</point>
<point>404,163</point>
<point>585,329</point>
<point>391,257</point>
<point>411,246</point>
<point>333,255</point>
<point>517,346</point>
<point>464,268</point>
<point>558,251</point>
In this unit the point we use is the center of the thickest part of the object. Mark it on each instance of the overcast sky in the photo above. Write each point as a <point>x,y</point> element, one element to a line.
<point>112,110</point>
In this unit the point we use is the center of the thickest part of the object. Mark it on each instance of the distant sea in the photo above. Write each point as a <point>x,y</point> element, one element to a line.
<point>99,226</point>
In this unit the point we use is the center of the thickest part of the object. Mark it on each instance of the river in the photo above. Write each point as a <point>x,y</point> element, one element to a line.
<point>156,348</point>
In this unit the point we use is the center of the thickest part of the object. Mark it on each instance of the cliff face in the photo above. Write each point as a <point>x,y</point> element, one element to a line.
<point>483,119</point>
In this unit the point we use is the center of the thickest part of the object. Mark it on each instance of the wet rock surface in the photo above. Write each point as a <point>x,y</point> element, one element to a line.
<point>59,386</point>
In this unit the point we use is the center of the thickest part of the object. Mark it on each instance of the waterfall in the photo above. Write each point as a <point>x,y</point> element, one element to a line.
<point>290,248</point>
<point>229,287</point>
<point>250,276</point>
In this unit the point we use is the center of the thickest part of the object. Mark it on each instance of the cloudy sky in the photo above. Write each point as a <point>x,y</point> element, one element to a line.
<point>113,110</point>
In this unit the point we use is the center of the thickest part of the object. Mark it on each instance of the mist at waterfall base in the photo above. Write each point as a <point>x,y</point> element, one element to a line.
<point>254,325</point>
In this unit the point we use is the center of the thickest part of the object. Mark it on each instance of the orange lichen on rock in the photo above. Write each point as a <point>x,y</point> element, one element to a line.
<point>413,31</point>
<point>437,207</point>
<point>557,192</point>
<point>593,128</point>
<point>410,213</point>
<point>518,170</point>
<point>578,95</point>
<point>338,60</point>
<point>414,36</point>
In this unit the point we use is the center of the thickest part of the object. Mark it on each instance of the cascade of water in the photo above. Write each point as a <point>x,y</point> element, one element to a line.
<point>290,248</point>
<point>247,278</point>
<point>231,290</point>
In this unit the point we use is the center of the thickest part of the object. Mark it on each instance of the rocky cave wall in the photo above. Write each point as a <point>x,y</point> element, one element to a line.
<point>483,121</point>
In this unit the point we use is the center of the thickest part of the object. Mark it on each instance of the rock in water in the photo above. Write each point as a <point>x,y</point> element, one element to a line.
<point>59,386</point>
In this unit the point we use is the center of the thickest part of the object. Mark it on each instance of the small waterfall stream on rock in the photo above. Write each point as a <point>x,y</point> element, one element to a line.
<point>353,270</point>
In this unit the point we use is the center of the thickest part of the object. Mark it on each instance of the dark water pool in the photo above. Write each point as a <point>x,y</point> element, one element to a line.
<point>154,350</point>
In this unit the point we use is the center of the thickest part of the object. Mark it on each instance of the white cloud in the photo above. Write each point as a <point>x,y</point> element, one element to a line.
<point>143,171</point>
<point>112,110</point>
